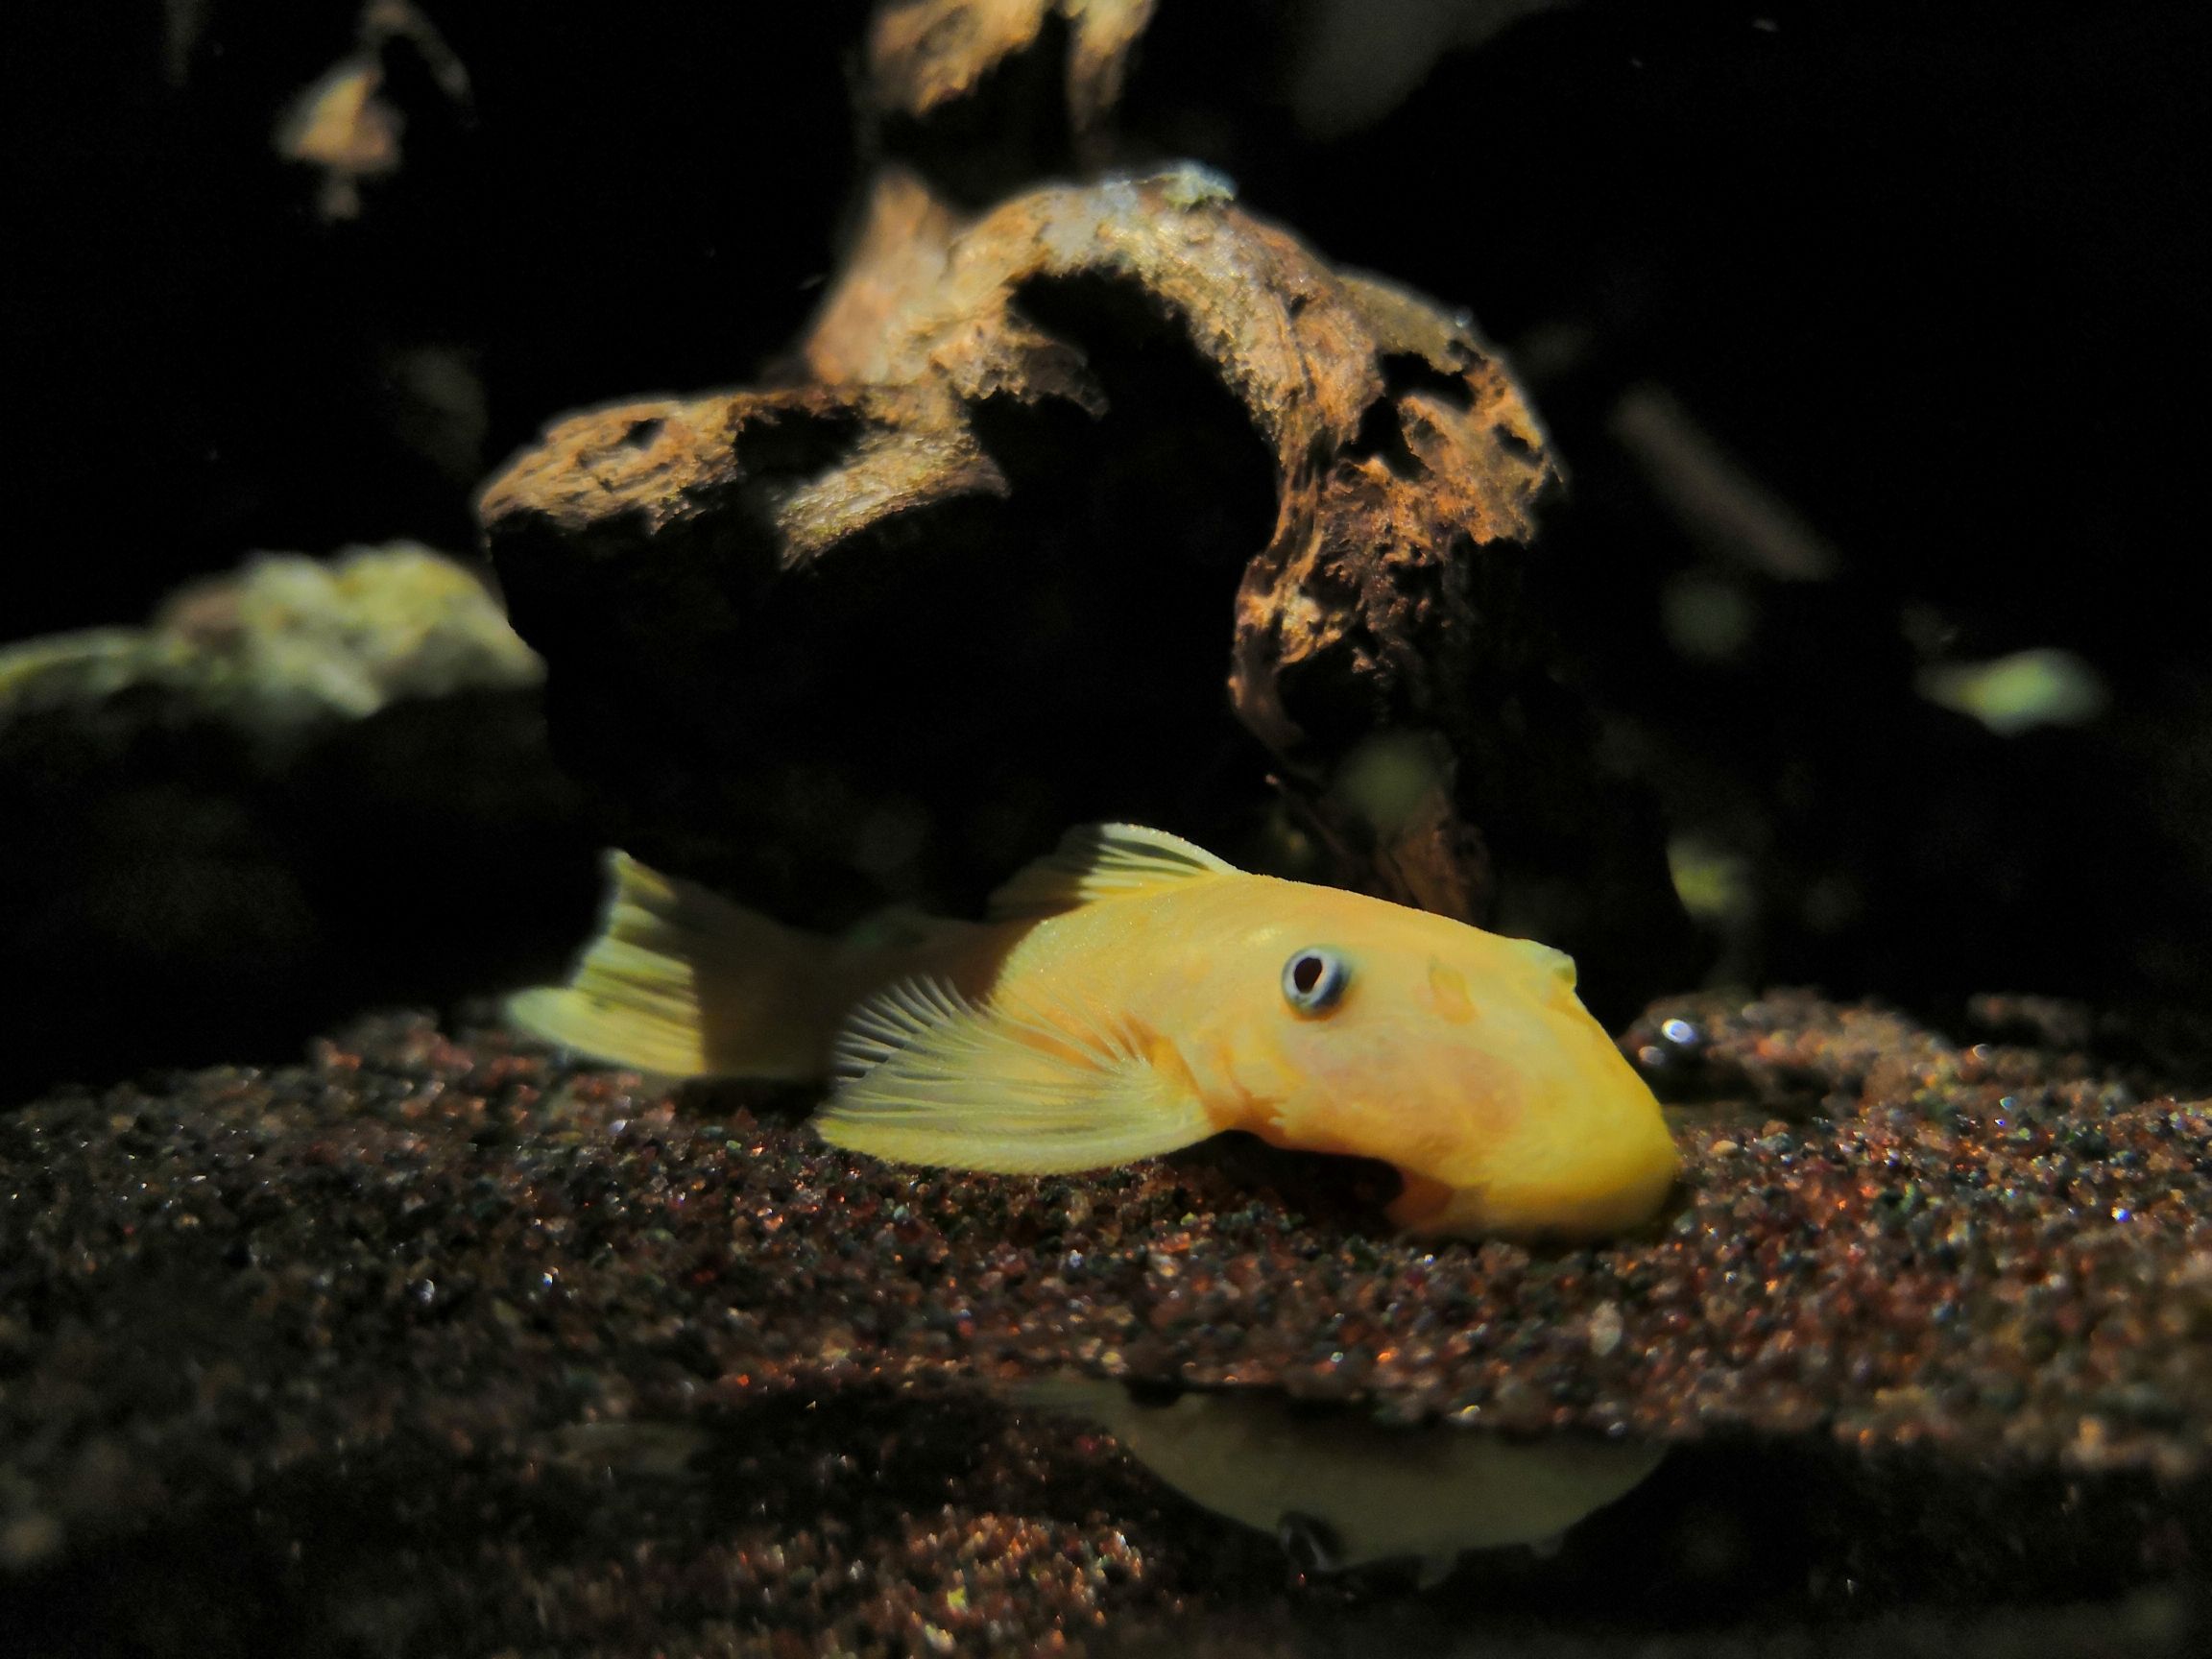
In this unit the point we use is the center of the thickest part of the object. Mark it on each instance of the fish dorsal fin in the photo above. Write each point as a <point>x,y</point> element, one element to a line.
<point>1033,1087</point>
<point>1096,861</point>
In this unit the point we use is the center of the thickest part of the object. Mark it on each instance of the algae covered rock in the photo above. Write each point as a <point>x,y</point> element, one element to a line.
<point>287,644</point>
<point>300,785</point>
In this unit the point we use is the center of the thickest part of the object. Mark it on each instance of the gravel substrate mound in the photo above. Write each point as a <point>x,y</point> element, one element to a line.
<point>437,1343</point>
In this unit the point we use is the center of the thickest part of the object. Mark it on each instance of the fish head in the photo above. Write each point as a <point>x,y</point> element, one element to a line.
<point>1461,1057</point>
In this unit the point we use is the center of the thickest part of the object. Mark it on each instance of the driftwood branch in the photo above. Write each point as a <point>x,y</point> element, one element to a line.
<point>1114,499</point>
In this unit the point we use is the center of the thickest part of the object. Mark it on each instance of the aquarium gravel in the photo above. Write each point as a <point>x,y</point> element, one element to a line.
<point>449,1334</point>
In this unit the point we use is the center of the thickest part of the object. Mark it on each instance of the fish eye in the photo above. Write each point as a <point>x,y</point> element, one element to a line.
<point>1314,979</point>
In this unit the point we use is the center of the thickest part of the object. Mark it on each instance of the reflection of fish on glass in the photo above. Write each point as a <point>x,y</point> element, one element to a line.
<point>1132,994</point>
<point>1341,1491</point>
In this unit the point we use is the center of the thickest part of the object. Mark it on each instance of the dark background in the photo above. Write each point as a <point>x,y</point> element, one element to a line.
<point>1933,278</point>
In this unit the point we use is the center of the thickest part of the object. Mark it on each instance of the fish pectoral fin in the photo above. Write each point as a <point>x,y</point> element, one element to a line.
<point>1028,1087</point>
<point>1096,861</point>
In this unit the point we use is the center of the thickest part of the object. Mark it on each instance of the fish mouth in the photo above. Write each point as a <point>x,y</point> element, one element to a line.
<point>1576,1202</point>
<point>1422,1201</point>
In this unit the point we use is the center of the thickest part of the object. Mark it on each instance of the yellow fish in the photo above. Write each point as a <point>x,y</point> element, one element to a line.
<point>1131,994</point>
<point>1343,1491</point>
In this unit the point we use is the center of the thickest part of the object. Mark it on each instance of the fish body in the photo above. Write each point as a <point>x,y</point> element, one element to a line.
<point>1350,1491</point>
<point>1132,994</point>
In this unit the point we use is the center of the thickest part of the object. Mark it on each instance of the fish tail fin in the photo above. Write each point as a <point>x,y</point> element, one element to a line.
<point>681,982</point>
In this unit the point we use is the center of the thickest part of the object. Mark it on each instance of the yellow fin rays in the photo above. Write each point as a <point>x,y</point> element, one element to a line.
<point>1039,1087</point>
<point>1096,861</point>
